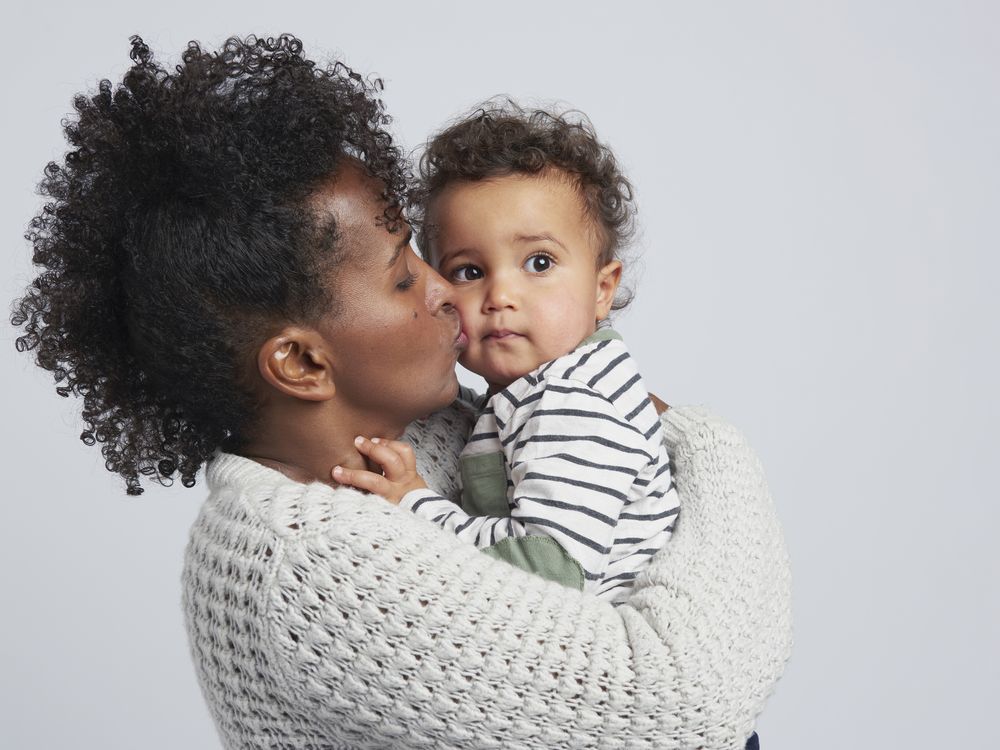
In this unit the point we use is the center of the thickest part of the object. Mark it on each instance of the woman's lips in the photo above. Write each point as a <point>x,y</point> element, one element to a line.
<point>462,340</point>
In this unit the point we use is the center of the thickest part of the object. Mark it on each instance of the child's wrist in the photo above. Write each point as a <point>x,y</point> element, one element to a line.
<point>413,496</point>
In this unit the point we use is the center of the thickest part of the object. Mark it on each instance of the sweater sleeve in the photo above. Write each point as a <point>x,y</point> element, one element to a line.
<point>390,631</point>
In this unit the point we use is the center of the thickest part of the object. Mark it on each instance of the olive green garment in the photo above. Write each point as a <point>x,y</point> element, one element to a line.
<point>484,493</point>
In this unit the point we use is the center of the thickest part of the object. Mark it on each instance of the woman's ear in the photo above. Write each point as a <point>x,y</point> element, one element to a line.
<point>297,363</point>
<point>607,284</point>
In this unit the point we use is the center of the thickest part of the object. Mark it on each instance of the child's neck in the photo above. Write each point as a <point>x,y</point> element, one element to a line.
<point>493,389</point>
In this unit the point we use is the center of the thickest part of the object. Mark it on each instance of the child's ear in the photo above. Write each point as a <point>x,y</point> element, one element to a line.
<point>297,363</point>
<point>607,284</point>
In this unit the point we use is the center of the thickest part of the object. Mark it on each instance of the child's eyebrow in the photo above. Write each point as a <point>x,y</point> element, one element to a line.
<point>449,254</point>
<point>540,237</point>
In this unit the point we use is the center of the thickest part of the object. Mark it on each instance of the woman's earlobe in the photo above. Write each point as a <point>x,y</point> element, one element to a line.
<point>296,363</point>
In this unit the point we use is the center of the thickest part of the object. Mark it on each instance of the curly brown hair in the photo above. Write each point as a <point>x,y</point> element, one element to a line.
<point>500,137</point>
<point>177,231</point>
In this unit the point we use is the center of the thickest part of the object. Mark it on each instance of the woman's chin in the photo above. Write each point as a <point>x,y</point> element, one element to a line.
<point>450,391</point>
<point>447,395</point>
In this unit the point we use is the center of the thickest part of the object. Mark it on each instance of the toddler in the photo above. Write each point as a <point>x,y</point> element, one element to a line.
<point>565,473</point>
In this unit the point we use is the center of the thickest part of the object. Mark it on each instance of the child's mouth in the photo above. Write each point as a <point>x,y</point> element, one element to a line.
<point>501,334</point>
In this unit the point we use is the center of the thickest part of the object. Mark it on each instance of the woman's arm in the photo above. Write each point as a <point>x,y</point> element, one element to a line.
<point>419,639</point>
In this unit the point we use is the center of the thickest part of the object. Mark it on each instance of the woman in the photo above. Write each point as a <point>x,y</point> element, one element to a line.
<point>227,280</point>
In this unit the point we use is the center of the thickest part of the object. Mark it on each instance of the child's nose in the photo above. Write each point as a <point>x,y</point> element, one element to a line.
<point>500,295</point>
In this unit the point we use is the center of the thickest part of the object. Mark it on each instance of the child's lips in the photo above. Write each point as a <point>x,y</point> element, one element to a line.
<point>501,334</point>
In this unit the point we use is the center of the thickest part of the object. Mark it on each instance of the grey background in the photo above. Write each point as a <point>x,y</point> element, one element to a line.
<point>818,185</point>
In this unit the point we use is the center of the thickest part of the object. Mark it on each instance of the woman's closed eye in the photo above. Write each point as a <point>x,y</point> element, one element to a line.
<point>539,263</point>
<point>467,272</point>
<point>407,282</point>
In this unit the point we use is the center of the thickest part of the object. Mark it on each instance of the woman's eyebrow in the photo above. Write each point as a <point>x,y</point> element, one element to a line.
<point>540,237</point>
<point>403,244</point>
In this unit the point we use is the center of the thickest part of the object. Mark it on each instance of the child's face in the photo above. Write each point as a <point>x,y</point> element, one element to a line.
<point>523,256</point>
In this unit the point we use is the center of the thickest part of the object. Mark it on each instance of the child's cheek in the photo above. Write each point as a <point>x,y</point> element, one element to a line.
<point>467,306</point>
<point>569,320</point>
<point>563,307</point>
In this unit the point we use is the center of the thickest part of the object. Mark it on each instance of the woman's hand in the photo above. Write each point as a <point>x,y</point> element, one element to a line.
<point>661,406</point>
<point>399,467</point>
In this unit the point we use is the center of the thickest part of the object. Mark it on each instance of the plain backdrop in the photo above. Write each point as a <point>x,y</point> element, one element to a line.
<point>819,192</point>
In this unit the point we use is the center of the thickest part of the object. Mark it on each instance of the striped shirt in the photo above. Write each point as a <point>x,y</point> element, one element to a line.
<point>584,464</point>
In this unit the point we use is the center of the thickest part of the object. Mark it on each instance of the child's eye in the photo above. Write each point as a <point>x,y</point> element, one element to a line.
<point>467,272</point>
<point>538,263</point>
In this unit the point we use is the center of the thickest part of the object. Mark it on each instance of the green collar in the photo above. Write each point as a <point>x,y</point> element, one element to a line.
<point>601,334</point>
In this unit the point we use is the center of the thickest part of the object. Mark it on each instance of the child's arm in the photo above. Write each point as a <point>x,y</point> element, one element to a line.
<point>538,554</point>
<point>574,459</point>
<point>402,485</point>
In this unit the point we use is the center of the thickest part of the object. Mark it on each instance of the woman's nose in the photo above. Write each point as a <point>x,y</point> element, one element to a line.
<point>439,294</point>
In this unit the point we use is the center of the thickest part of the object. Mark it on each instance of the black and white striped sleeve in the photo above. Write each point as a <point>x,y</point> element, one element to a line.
<point>573,460</point>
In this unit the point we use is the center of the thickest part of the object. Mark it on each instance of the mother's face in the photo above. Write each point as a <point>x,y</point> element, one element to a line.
<point>396,336</point>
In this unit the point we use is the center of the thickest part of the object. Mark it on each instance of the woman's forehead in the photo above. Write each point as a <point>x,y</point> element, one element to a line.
<point>353,202</point>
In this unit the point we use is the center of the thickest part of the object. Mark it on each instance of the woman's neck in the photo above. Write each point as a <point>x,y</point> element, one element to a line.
<point>304,440</point>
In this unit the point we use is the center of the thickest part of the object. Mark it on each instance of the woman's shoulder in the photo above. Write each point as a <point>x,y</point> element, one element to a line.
<point>438,439</point>
<point>246,497</point>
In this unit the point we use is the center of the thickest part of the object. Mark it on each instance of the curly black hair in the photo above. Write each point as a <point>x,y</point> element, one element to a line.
<point>500,137</point>
<point>176,234</point>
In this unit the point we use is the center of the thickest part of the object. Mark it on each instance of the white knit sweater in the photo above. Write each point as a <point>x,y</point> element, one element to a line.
<point>323,618</point>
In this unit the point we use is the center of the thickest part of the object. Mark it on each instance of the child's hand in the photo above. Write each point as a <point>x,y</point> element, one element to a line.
<point>398,464</point>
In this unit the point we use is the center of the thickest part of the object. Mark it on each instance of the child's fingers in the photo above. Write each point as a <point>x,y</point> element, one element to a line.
<point>403,449</point>
<point>386,457</point>
<point>362,479</point>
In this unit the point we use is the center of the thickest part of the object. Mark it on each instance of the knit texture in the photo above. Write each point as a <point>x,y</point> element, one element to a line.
<point>322,618</point>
